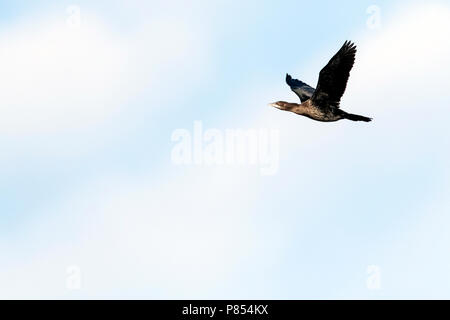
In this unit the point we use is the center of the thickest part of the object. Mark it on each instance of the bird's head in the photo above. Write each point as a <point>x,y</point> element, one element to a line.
<point>282,105</point>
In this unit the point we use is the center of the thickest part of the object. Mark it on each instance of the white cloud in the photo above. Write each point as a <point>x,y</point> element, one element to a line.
<point>185,237</point>
<point>55,77</point>
<point>407,63</point>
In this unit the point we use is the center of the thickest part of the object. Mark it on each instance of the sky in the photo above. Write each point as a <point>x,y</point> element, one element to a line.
<point>117,180</point>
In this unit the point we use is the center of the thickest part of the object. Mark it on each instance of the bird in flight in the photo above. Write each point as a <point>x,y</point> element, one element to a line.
<point>322,103</point>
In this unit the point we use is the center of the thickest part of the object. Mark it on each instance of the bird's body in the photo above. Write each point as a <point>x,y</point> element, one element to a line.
<point>323,103</point>
<point>308,109</point>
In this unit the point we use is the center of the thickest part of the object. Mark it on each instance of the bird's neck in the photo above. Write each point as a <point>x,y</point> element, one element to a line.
<point>287,106</point>
<point>301,109</point>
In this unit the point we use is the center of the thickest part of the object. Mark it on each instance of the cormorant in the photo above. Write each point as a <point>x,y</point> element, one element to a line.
<point>322,104</point>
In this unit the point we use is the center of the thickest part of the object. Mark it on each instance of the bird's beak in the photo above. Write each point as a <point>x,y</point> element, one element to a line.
<point>274,105</point>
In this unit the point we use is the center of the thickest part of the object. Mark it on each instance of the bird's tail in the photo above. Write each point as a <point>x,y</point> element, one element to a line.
<point>356,117</point>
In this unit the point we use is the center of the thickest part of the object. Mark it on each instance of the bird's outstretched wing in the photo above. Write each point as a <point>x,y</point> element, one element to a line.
<point>333,77</point>
<point>301,89</point>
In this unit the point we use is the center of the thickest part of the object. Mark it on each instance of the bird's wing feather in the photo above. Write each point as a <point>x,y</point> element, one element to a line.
<point>334,76</point>
<point>301,89</point>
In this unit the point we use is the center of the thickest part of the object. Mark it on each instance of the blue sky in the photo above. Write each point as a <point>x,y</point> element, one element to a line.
<point>87,178</point>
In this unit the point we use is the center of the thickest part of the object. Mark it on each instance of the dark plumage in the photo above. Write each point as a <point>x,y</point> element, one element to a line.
<point>323,103</point>
<point>301,89</point>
